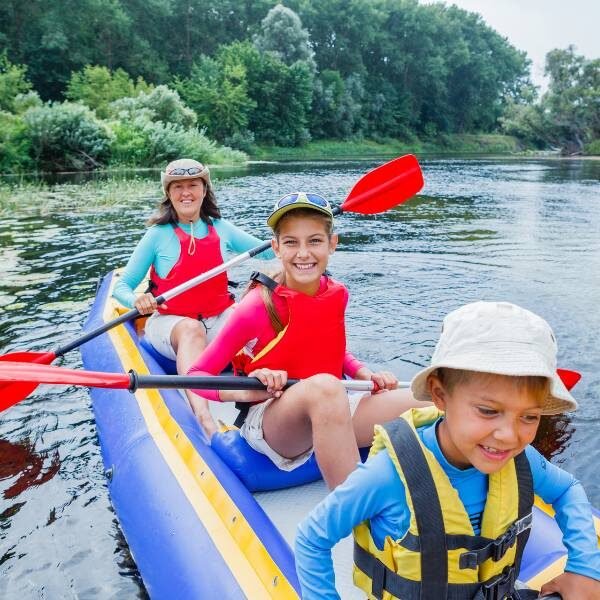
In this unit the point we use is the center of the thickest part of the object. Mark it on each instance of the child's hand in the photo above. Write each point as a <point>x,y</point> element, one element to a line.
<point>573,587</point>
<point>274,380</point>
<point>384,380</point>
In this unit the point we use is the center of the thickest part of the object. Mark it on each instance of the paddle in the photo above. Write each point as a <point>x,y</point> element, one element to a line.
<point>24,372</point>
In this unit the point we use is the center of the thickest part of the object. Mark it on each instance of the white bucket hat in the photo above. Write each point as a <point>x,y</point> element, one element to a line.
<point>184,168</point>
<point>500,338</point>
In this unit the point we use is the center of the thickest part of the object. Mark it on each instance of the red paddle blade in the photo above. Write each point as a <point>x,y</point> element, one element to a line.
<point>569,378</point>
<point>41,358</point>
<point>11,393</point>
<point>385,187</point>
<point>21,376</point>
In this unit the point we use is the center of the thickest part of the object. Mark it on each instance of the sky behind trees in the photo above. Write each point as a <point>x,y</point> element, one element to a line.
<point>538,26</point>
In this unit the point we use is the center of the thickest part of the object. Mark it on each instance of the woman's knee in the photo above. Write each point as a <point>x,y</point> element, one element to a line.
<point>186,330</point>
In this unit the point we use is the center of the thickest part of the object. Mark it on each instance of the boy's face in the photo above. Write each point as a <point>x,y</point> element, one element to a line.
<point>488,421</point>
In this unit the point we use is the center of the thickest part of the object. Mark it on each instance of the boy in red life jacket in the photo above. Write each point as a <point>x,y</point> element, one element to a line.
<point>294,327</point>
<point>443,506</point>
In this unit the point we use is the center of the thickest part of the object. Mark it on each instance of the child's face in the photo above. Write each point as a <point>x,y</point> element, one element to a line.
<point>488,421</point>
<point>303,246</point>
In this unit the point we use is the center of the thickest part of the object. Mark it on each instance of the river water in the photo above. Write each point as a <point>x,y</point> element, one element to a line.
<point>525,231</point>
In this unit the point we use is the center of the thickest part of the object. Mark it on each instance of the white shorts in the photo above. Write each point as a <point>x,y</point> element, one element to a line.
<point>159,327</point>
<point>252,432</point>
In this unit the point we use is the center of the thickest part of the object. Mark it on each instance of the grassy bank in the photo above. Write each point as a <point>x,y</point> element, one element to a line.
<point>337,149</point>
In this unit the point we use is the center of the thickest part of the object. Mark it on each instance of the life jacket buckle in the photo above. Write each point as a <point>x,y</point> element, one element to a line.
<point>507,540</point>
<point>501,587</point>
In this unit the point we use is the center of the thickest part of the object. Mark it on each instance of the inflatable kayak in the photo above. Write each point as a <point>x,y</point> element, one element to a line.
<point>217,520</point>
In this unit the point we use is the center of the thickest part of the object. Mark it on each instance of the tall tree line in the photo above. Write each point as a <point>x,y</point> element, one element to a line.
<point>252,69</point>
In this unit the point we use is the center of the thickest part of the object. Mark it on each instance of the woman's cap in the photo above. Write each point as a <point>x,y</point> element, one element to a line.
<point>184,168</point>
<point>298,200</point>
<point>500,338</point>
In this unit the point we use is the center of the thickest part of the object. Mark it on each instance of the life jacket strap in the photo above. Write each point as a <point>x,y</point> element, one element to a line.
<point>384,579</point>
<point>497,548</point>
<point>264,279</point>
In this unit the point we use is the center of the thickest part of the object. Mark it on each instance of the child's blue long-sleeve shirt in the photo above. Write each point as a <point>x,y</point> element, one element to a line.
<point>374,491</point>
<point>160,247</point>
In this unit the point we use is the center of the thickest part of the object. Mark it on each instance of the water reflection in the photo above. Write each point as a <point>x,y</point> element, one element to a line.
<point>20,462</point>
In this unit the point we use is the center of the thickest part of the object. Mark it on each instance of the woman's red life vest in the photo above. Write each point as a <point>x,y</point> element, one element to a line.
<point>206,299</point>
<point>314,339</point>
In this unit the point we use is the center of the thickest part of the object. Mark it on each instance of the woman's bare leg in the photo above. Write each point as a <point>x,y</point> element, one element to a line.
<point>314,412</point>
<point>188,339</point>
<point>378,408</point>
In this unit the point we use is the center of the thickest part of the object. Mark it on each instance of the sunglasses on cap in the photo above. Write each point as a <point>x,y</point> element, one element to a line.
<point>189,171</point>
<point>314,199</point>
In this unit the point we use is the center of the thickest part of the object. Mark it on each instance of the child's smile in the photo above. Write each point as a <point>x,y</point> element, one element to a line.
<point>488,421</point>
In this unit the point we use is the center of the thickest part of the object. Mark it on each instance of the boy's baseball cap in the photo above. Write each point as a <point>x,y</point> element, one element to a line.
<point>500,338</point>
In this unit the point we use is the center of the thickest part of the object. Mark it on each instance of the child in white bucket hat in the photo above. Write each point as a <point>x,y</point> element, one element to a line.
<point>443,506</point>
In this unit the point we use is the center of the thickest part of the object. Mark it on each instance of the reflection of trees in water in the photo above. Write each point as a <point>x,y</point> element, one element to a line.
<point>553,435</point>
<point>19,459</point>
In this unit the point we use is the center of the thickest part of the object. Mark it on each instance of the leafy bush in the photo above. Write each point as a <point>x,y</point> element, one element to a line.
<point>97,87</point>
<point>161,104</point>
<point>23,102</point>
<point>151,143</point>
<point>12,82</point>
<point>66,136</point>
<point>14,144</point>
<point>593,147</point>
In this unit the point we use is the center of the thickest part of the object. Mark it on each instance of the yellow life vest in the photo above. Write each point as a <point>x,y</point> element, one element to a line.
<point>440,557</point>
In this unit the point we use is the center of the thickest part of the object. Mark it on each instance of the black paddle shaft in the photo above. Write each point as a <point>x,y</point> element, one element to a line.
<point>220,382</point>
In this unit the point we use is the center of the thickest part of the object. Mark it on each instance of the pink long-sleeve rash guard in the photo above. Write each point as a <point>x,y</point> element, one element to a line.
<point>249,327</point>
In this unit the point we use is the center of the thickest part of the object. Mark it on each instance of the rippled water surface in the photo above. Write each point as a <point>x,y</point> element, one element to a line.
<point>526,231</point>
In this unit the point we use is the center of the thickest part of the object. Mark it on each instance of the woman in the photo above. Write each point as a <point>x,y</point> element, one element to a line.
<point>295,327</point>
<point>187,237</point>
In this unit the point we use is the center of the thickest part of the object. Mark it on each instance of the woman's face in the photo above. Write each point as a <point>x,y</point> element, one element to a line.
<point>303,245</point>
<point>187,195</point>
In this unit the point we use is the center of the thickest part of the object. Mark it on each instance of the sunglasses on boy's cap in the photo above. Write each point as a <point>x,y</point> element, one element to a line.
<point>184,168</point>
<point>298,200</point>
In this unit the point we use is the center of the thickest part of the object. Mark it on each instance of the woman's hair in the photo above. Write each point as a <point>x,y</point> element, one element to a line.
<point>538,386</point>
<point>279,276</point>
<point>166,212</point>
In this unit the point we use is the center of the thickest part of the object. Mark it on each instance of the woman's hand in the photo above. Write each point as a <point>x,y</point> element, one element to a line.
<point>146,304</point>
<point>274,380</point>
<point>384,380</point>
<point>572,587</point>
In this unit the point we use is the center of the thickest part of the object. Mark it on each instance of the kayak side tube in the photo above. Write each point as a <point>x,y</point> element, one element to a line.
<point>193,529</point>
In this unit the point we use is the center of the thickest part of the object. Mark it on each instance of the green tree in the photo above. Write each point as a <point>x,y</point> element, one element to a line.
<point>282,34</point>
<point>13,81</point>
<point>97,87</point>
<point>217,90</point>
<point>572,102</point>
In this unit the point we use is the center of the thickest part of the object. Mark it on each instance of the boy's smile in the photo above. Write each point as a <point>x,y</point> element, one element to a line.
<point>489,420</point>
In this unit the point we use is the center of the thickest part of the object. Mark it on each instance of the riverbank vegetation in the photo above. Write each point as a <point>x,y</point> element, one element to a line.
<point>116,84</point>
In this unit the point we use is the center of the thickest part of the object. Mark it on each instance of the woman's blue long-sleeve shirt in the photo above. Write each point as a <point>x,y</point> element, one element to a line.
<point>374,491</point>
<point>160,247</point>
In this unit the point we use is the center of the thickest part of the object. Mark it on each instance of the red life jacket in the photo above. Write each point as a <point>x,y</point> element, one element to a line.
<point>206,299</point>
<point>314,339</point>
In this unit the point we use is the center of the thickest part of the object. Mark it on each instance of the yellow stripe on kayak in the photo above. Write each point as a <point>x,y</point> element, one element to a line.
<point>241,549</point>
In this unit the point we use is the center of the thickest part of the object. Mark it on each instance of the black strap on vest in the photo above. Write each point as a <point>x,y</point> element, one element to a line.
<point>430,525</point>
<point>428,511</point>
<point>264,279</point>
